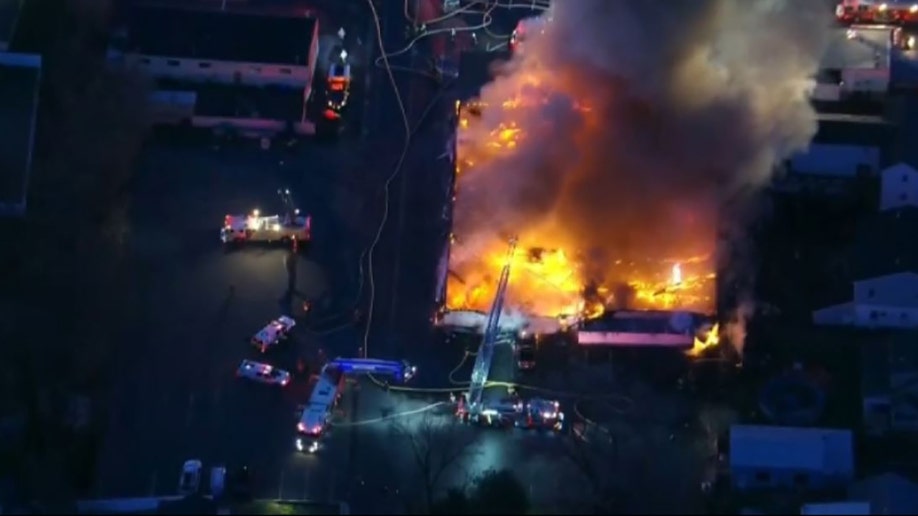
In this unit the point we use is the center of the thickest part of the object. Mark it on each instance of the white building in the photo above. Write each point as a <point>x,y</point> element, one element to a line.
<point>220,70</point>
<point>889,301</point>
<point>898,187</point>
<point>890,298</point>
<point>776,457</point>
<point>224,47</point>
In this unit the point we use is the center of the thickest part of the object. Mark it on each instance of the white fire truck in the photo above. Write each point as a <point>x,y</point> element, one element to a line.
<point>291,227</point>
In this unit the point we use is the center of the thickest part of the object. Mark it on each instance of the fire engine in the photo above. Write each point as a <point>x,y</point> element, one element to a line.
<point>513,412</point>
<point>291,227</point>
<point>874,12</point>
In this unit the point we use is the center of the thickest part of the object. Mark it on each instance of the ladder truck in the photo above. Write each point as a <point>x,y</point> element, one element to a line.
<point>291,227</point>
<point>534,413</point>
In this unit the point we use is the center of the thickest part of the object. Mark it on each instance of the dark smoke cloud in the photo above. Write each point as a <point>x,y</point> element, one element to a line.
<point>686,101</point>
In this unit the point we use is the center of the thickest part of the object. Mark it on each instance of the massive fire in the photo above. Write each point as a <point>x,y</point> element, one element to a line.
<point>549,276</point>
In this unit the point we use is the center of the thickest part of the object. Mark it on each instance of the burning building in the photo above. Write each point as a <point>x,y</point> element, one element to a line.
<point>608,147</point>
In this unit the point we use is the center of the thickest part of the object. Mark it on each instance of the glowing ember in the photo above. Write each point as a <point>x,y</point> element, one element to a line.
<point>711,339</point>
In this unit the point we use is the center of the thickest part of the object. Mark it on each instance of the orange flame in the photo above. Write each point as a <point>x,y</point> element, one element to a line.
<point>547,278</point>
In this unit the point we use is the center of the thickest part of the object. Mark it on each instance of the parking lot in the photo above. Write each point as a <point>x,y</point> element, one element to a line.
<point>177,397</point>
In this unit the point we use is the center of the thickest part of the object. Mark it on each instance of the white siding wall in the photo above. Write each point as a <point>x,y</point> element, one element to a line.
<point>227,72</point>
<point>886,316</point>
<point>892,290</point>
<point>899,187</point>
<point>835,160</point>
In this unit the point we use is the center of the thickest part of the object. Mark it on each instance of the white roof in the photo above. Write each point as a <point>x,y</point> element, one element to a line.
<point>268,333</point>
<point>314,416</point>
<point>324,392</point>
<point>788,448</point>
<point>836,508</point>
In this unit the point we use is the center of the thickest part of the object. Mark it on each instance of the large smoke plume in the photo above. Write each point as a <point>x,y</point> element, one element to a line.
<point>655,112</point>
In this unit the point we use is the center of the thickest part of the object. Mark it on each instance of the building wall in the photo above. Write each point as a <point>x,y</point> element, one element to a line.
<point>224,72</point>
<point>836,160</point>
<point>899,187</point>
<point>750,479</point>
<point>899,290</point>
<point>886,316</point>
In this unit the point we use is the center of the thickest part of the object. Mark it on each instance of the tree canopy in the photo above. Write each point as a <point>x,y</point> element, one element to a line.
<point>494,492</point>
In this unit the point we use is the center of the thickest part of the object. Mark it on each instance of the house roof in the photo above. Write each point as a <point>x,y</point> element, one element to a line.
<point>888,493</point>
<point>475,70</point>
<point>19,81</point>
<point>885,244</point>
<point>854,129</point>
<point>789,448</point>
<point>220,35</point>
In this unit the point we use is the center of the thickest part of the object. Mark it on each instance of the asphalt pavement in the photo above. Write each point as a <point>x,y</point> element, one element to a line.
<point>177,396</point>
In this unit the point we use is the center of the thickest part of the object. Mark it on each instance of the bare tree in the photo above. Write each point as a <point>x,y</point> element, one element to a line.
<point>436,443</point>
<point>70,257</point>
<point>626,465</point>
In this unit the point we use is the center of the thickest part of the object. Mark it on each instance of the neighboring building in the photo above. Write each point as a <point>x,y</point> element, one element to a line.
<point>653,329</point>
<point>889,383</point>
<point>886,494</point>
<point>898,187</point>
<point>248,72</point>
<point>20,76</point>
<point>845,146</point>
<point>9,17</point>
<point>777,457</point>
<point>889,301</point>
<point>836,509</point>
<point>883,260</point>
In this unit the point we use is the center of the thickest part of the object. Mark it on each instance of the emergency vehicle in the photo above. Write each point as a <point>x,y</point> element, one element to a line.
<point>317,413</point>
<point>262,373</point>
<point>876,12</point>
<point>337,90</point>
<point>291,227</point>
<point>327,391</point>
<point>525,27</point>
<point>535,414</point>
<point>273,333</point>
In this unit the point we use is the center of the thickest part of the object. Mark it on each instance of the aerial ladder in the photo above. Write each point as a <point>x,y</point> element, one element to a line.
<point>491,335</point>
<point>290,210</point>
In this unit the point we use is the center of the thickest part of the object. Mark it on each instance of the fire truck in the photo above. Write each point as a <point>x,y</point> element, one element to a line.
<point>291,227</point>
<point>869,12</point>
<point>513,412</point>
